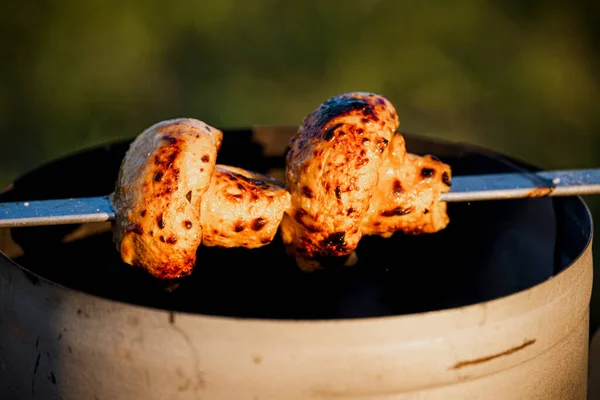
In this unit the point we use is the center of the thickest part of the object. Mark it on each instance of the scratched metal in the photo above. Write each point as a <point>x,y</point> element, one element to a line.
<point>522,185</point>
<point>56,212</point>
<point>464,188</point>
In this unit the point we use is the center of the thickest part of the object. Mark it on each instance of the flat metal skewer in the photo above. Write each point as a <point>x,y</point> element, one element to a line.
<point>464,189</point>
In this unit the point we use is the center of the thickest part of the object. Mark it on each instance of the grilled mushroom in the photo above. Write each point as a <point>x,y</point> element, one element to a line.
<point>347,172</point>
<point>406,197</point>
<point>171,197</point>
<point>349,175</point>
<point>242,208</point>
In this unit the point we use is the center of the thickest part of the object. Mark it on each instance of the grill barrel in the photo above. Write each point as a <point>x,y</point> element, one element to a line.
<point>495,306</point>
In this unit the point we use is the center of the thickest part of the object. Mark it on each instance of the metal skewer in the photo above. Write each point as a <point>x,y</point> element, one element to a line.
<point>464,189</point>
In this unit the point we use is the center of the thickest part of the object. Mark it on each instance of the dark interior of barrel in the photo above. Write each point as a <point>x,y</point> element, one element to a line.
<point>490,249</point>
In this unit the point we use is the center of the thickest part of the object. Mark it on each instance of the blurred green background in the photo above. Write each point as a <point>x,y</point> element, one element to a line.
<point>517,77</point>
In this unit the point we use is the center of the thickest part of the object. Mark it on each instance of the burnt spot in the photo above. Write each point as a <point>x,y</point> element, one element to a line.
<point>339,106</point>
<point>362,162</point>
<point>365,140</point>
<point>188,224</point>
<point>363,153</point>
<point>327,187</point>
<point>215,231</point>
<point>397,187</point>
<point>143,213</point>
<point>396,212</point>
<point>299,218</point>
<point>300,213</point>
<point>172,240</point>
<point>381,145</point>
<point>364,120</point>
<point>205,158</point>
<point>241,187</point>
<point>434,158</point>
<point>317,152</point>
<point>265,241</point>
<point>338,192</point>
<point>370,114</point>
<point>336,240</point>
<point>426,211</point>
<point>446,179</point>
<point>137,229</point>
<point>162,238</point>
<point>306,191</point>
<point>377,224</point>
<point>151,233</point>
<point>170,139</point>
<point>164,173</point>
<point>254,197</point>
<point>380,101</point>
<point>166,156</point>
<point>188,196</point>
<point>238,227</point>
<point>207,128</point>
<point>256,182</point>
<point>350,211</point>
<point>427,172</point>
<point>258,224</point>
<point>160,222</point>
<point>328,135</point>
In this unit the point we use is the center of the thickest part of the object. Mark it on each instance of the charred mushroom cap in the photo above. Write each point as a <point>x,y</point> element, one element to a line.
<point>158,196</point>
